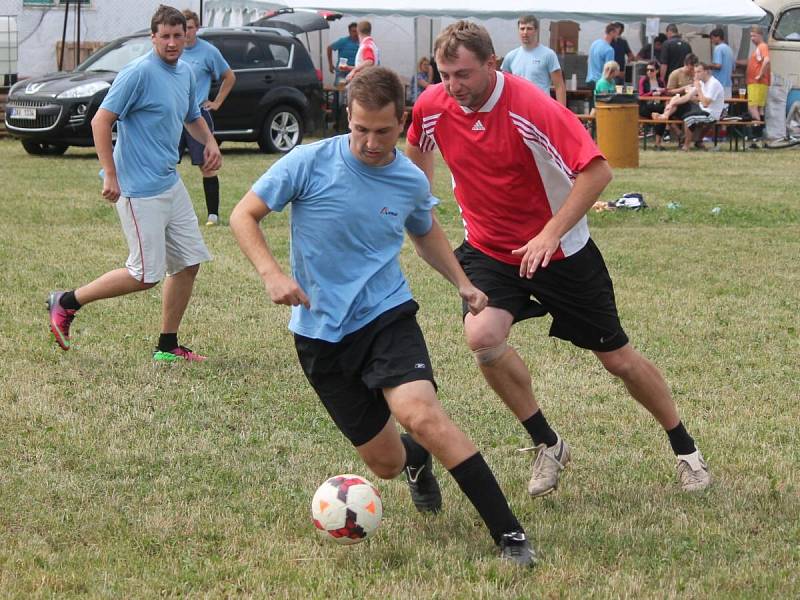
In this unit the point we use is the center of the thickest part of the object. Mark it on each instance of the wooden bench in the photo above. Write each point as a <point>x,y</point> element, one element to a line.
<point>729,124</point>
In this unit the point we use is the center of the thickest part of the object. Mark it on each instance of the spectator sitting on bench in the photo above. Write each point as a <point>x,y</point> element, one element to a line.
<point>705,101</point>
<point>606,84</point>
<point>680,81</point>
<point>651,84</point>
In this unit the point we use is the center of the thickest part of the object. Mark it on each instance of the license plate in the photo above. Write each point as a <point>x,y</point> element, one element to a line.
<point>23,113</point>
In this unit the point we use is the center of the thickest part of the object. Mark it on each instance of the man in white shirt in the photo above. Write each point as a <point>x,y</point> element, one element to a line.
<point>535,62</point>
<point>707,98</point>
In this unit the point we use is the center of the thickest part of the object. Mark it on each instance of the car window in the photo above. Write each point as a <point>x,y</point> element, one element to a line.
<point>280,54</point>
<point>244,53</point>
<point>117,57</point>
<point>788,27</point>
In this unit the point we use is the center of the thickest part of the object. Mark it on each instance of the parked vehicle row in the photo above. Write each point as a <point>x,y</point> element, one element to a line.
<point>276,99</point>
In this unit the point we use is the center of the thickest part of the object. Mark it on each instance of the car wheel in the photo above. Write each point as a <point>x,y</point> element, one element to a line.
<point>43,148</point>
<point>282,131</point>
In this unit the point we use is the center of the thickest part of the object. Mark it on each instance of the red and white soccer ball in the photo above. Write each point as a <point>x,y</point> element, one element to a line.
<point>346,509</point>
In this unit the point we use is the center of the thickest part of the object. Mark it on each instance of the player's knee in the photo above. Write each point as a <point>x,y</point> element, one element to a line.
<point>490,354</point>
<point>424,425</point>
<point>620,364</point>
<point>385,467</point>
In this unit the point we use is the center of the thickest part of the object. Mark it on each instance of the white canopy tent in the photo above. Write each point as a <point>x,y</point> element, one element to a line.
<point>720,12</point>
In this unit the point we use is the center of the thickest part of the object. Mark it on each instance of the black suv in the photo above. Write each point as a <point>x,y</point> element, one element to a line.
<point>277,96</point>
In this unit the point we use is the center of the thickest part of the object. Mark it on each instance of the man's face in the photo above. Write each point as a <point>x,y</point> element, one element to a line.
<point>756,37</point>
<point>374,133</point>
<point>191,32</point>
<point>715,40</point>
<point>700,74</point>
<point>353,31</point>
<point>168,42</point>
<point>690,69</point>
<point>527,34</point>
<point>466,79</point>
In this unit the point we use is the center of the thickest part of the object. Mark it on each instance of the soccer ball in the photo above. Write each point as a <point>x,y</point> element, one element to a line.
<point>346,509</point>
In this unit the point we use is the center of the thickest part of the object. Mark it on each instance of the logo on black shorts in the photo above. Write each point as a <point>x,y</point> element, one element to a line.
<point>419,366</point>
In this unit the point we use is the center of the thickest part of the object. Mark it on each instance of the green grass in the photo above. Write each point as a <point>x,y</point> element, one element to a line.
<point>122,479</point>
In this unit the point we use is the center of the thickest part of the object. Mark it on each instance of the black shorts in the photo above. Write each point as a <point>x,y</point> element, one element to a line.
<point>349,375</point>
<point>195,148</point>
<point>577,292</point>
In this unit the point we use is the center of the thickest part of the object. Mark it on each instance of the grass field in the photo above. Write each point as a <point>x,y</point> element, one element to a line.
<point>122,479</point>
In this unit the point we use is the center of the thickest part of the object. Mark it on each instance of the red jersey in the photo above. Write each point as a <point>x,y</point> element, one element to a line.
<point>513,162</point>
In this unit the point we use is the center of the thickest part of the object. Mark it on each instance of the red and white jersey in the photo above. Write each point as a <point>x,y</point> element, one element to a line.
<point>513,162</point>
<point>368,50</point>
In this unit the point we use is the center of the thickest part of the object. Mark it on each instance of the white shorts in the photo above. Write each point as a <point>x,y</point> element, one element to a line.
<point>162,233</point>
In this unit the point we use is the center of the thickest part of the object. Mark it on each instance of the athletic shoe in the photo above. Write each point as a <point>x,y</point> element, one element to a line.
<point>693,472</point>
<point>424,488</point>
<point>547,467</point>
<point>60,319</point>
<point>181,352</point>
<point>213,221</point>
<point>514,547</point>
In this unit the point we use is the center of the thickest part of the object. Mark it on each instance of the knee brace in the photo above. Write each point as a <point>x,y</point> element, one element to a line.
<point>486,356</point>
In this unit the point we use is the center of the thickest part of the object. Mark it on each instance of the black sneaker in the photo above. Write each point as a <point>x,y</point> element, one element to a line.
<point>514,547</point>
<point>424,488</point>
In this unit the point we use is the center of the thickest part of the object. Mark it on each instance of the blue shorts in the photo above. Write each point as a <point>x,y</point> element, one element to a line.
<point>195,148</point>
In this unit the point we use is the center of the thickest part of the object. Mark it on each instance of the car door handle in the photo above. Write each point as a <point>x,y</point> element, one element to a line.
<point>269,78</point>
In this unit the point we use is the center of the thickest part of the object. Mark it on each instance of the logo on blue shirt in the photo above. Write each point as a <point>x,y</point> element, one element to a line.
<point>385,211</point>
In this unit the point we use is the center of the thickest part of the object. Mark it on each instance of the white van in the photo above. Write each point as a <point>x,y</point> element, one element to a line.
<point>784,40</point>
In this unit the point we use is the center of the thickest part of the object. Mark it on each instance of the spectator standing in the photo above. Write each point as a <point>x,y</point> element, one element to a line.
<point>622,52</point>
<point>652,51</point>
<point>368,52</point>
<point>207,64</point>
<point>722,61</point>
<point>673,52</point>
<point>346,48</point>
<point>600,52</point>
<point>758,77</point>
<point>535,62</point>
<point>422,78</point>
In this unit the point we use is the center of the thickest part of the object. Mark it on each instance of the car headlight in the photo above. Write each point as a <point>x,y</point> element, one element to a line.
<point>85,90</point>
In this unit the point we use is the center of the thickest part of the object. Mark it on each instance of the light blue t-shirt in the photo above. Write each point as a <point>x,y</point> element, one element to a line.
<point>207,64</point>
<point>535,65</point>
<point>152,100</point>
<point>346,232</point>
<point>723,56</point>
<point>600,53</point>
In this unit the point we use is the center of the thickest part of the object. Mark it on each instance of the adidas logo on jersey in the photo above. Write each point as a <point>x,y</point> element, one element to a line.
<point>478,126</point>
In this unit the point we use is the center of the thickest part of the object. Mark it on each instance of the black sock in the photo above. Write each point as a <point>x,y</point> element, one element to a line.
<point>416,455</point>
<point>69,301</point>
<point>477,481</point>
<point>211,189</point>
<point>167,342</point>
<point>539,429</point>
<point>680,440</point>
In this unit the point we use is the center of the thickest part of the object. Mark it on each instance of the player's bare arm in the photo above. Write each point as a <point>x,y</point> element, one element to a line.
<point>557,77</point>
<point>228,79</point>
<point>423,160</point>
<point>588,186</point>
<point>212,157</point>
<point>244,222</point>
<point>102,124</point>
<point>434,249</point>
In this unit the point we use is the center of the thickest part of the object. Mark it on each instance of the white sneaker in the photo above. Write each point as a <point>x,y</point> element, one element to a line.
<point>212,221</point>
<point>693,472</point>
<point>547,467</point>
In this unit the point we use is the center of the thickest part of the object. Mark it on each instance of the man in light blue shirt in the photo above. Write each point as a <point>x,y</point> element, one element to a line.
<point>535,62</point>
<point>207,64</point>
<point>600,52</point>
<point>346,49</point>
<point>353,316</point>
<point>151,100</point>
<point>722,61</point>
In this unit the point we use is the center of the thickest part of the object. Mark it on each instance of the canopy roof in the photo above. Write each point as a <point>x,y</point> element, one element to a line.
<point>702,12</point>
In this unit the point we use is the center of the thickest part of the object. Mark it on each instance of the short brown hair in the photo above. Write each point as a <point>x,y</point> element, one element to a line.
<point>691,60</point>
<point>167,15</point>
<point>611,27</point>
<point>191,16</point>
<point>364,27</point>
<point>472,36</point>
<point>375,87</point>
<point>528,20</point>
